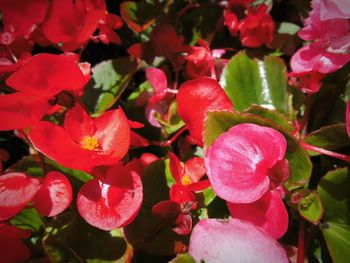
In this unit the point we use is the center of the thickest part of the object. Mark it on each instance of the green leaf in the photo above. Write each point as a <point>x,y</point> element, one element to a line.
<point>147,232</point>
<point>330,137</point>
<point>310,207</point>
<point>299,160</point>
<point>288,28</point>
<point>29,165</point>
<point>182,258</point>
<point>250,81</point>
<point>335,195</point>
<point>69,238</point>
<point>109,79</point>
<point>28,219</point>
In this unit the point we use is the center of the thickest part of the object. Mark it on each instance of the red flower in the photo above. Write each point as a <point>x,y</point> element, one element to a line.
<point>112,199</point>
<point>54,196</point>
<point>257,28</point>
<point>12,248</point>
<point>243,162</point>
<point>46,75</point>
<point>16,190</point>
<point>203,95</point>
<point>84,142</point>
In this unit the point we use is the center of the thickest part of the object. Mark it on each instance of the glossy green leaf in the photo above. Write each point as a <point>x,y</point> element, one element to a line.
<point>250,81</point>
<point>69,238</point>
<point>109,79</point>
<point>299,161</point>
<point>182,258</point>
<point>147,232</point>
<point>28,218</point>
<point>335,195</point>
<point>310,207</point>
<point>329,137</point>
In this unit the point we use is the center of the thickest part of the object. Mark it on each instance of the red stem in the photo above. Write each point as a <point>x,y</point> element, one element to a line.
<point>301,240</point>
<point>169,142</point>
<point>313,148</point>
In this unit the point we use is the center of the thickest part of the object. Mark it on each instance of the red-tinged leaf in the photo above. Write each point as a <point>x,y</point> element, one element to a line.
<point>183,224</point>
<point>203,94</point>
<point>238,162</point>
<point>176,168</point>
<point>142,51</point>
<point>113,201</point>
<point>233,241</point>
<point>268,212</point>
<point>47,75</point>
<point>166,209</point>
<point>54,196</point>
<point>19,110</point>
<point>22,17</point>
<point>135,15</point>
<point>16,190</point>
<point>347,120</point>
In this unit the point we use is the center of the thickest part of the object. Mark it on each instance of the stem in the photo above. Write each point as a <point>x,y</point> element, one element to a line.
<point>304,120</point>
<point>169,142</point>
<point>301,239</point>
<point>313,148</point>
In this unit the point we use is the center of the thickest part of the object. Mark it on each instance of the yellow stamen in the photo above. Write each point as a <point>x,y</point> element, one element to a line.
<point>89,143</point>
<point>186,180</point>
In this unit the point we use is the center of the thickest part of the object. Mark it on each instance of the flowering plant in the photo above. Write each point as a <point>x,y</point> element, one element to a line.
<point>174,131</point>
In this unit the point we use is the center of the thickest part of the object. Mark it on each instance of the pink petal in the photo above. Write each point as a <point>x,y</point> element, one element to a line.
<point>227,241</point>
<point>157,78</point>
<point>268,212</point>
<point>238,161</point>
<point>54,196</point>
<point>113,201</point>
<point>16,190</point>
<point>203,94</point>
<point>315,57</point>
<point>331,9</point>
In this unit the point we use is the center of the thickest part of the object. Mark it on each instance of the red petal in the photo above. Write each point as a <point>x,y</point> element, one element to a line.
<point>166,209</point>
<point>137,140</point>
<point>181,194</point>
<point>268,212</point>
<point>233,241</point>
<point>54,196</point>
<point>113,134</point>
<point>16,190</point>
<point>176,168</point>
<point>19,110</point>
<point>47,75</point>
<point>78,123</point>
<point>195,169</point>
<point>237,162</point>
<point>13,250</point>
<point>112,202</point>
<point>203,94</point>
<point>183,224</point>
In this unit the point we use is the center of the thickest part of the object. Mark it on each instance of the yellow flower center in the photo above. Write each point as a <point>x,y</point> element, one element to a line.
<point>89,143</point>
<point>186,180</point>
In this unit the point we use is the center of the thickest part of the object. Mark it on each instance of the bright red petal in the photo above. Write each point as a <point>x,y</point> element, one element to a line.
<point>16,190</point>
<point>112,202</point>
<point>78,123</point>
<point>19,110</point>
<point>47,75</point>
<point>226,241</point>
<point>203,94</point>
<point>195,169</point>
<point>176,168</point>
<point>54,196</point>
<point>268,212</point>
<point>238,161</point>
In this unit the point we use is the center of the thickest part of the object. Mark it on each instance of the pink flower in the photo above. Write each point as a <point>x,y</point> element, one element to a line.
<point>243,162</point>
<point>226,241</point>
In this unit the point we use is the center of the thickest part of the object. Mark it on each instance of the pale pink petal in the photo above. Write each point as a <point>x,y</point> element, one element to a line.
<point>227,241</point>
<point>331,9</point>
<point>268,212</point>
